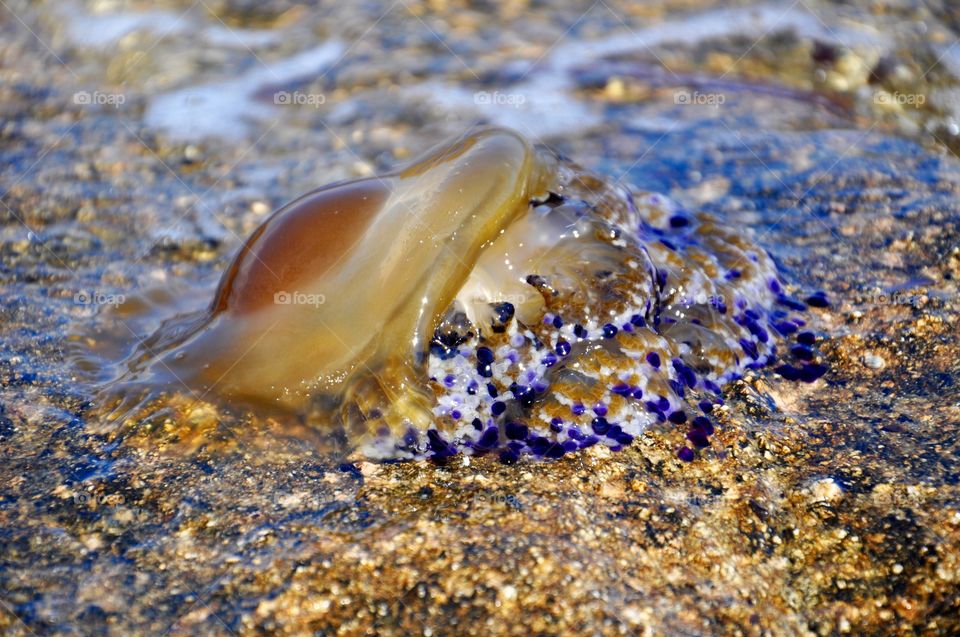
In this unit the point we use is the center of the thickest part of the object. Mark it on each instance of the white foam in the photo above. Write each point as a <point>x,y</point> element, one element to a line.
<point>551,107</point>
<point>228,108</point>
<point>224,36</point>
<point>547,108</point>
<point>102,30</point>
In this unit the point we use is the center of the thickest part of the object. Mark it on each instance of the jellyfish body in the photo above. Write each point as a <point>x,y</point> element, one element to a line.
<point>489,297</point>
<point>350,278</point>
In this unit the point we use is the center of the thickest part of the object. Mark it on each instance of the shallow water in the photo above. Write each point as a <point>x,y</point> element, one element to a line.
<point>824,132</point>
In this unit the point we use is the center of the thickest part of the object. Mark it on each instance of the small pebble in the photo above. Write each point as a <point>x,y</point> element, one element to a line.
<point>874,361</point>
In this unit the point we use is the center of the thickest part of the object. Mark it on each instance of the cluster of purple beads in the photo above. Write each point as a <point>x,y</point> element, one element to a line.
<point>502,431</point>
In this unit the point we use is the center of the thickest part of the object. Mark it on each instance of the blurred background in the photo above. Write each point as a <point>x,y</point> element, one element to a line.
<point>194,113</point>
